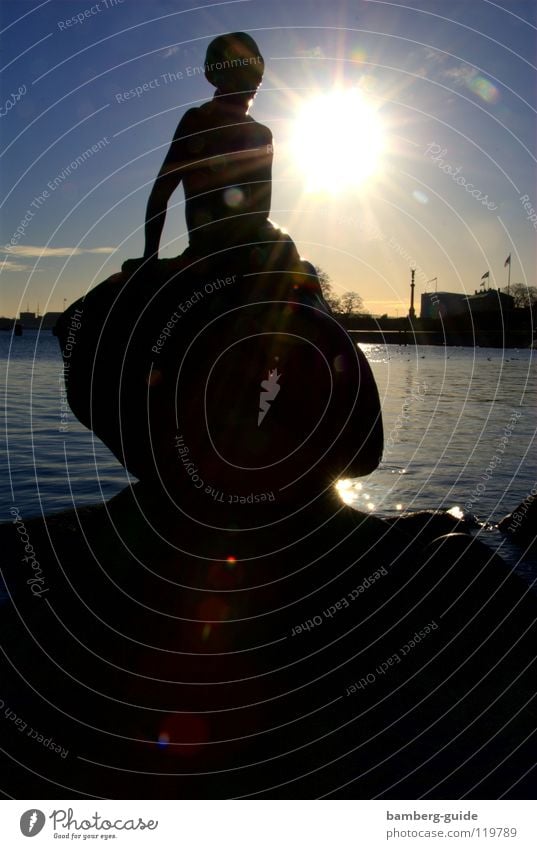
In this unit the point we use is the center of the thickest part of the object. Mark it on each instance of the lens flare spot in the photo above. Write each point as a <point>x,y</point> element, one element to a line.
<point>154,377</point>
<point>421,197</point>
<point>206,632</point>
<point>233,197</point>
<point>184,734</point>
<point>213,609</point>
<point>484,89</point>
<point>358,55</point>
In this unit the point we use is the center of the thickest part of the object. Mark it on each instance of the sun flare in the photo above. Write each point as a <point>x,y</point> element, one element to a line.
<point>337,140</point>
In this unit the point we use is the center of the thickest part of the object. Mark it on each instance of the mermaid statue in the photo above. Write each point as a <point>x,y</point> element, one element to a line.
<point>222,374</point>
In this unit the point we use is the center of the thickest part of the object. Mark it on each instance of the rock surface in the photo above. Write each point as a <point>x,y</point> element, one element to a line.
<point>521,524</point>
<point>325,653</point>
<point>223,379</point>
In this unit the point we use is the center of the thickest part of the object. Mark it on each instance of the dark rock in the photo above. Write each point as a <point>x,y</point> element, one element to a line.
<point>521,524</point>
<point>229,379</point>
<point>326,653</point>
<point>427,525</point>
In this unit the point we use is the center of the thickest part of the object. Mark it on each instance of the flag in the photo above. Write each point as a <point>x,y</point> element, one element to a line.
<point>483,276</point>
<point>507,261</point>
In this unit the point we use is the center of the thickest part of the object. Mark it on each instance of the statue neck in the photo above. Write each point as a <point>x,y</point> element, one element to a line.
<point>240,101</point>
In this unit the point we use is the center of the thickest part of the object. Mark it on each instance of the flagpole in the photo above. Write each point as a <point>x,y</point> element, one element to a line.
<point>509,277</point>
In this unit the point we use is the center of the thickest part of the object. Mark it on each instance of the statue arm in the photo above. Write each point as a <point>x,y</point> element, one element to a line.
<point>167,181</point>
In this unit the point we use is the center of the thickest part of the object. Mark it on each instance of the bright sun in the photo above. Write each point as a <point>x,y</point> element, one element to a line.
<point>337,140</point>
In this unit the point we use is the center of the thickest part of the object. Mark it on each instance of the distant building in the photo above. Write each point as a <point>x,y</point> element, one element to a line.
<point>443,304</point>
<point>492,300</point>
<point>456,304</point>
<point>6,323</point>
<point>50,319</point>
<point>32,321</point>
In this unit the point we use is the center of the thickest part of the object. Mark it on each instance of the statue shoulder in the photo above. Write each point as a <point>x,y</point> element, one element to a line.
<point>263,135</point>
<point>190,121</point>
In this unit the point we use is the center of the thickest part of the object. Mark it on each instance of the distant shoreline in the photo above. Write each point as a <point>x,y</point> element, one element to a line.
<point>495,330</point>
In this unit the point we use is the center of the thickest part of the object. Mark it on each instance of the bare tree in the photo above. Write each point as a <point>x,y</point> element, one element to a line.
<point>327,290</point>
<point>525,296</point>
<point>351,304</point>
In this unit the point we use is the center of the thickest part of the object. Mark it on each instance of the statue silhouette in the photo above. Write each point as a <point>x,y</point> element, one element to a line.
<point>173,356</point>
<point>221,154</point>
<point>223,157</point>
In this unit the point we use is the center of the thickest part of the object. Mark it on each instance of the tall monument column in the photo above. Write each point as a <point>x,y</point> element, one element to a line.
<point>412,311</point>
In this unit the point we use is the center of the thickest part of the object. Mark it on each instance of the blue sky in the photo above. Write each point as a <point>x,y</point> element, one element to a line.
<point>451,83</point>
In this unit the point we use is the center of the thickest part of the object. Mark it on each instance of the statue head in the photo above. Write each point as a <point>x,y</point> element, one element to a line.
<point>233,63</point>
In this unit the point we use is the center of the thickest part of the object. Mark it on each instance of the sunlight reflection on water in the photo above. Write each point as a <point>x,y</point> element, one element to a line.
<point>447,412</point>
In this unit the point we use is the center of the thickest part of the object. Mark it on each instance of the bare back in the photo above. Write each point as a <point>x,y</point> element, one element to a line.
<point>225,161</point>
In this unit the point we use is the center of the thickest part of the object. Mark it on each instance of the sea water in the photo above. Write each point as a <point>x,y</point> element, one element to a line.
<point>459,423</point>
